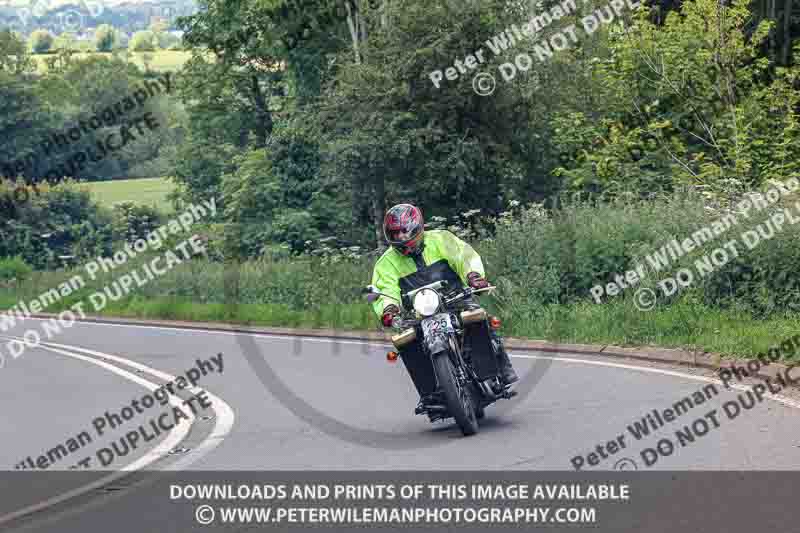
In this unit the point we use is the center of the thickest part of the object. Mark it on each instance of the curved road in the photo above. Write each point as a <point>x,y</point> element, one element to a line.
<point>575,406</point>
<point>52,393</point>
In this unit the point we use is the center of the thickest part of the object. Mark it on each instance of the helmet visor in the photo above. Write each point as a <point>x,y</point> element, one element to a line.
<point>399,236</point>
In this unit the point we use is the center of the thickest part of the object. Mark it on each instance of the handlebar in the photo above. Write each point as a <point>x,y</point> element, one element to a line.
<point>489,288</point>
<point>460,294</point>
<point>436,285</point>
<point>466,292</point>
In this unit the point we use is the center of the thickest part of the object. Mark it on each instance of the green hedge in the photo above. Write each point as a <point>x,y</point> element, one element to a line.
<point>43,224</point>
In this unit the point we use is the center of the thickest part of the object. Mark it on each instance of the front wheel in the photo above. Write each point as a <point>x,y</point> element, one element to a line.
<point>458,398</point>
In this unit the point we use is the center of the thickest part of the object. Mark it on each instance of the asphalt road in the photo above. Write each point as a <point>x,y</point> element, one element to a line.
<point>52,393</point>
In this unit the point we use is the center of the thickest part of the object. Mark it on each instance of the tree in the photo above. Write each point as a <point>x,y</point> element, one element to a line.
<point>14,56</point>
<point>397,137</point>
<point>142,41</point>
<point>167,41</point>
<point>331,100</point>
<point>159,29</point>
<point>23,115</point>
<point>41,41</point>
<point>688,102</point>
<point>105,38</point>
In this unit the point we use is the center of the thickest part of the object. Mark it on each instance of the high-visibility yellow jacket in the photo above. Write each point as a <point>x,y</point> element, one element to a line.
<point>441,249</point>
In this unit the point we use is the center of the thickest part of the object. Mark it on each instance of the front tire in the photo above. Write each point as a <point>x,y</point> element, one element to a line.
<point>458,398</point>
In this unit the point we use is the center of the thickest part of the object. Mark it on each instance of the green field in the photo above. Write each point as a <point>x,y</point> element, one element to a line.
<point>147,191</point>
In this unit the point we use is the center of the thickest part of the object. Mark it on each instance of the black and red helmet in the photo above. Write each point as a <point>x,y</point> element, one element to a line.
<point>403,228</point>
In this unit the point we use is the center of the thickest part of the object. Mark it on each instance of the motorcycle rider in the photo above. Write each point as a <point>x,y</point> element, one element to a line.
<point>414,250</point>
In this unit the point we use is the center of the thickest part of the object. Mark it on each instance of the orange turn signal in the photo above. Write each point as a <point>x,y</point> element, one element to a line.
<point>494,322</point>
<point>391,357</point>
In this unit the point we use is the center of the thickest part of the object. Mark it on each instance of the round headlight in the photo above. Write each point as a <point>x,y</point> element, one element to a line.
<point>426,302</point>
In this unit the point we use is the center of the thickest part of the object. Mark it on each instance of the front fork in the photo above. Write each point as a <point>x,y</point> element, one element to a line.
<point>446,346</point>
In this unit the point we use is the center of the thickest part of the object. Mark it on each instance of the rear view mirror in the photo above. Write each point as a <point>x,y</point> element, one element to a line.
<point>372,293</point>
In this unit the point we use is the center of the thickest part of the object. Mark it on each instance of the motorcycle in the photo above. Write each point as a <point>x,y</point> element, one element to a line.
<point>449,352</point>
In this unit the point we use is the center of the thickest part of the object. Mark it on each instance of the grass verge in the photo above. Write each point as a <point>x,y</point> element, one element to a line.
<point>681,325</point>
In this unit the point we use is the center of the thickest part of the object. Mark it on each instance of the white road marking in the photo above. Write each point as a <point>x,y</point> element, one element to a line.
<point>214,332</point>
<point>778,398</point>
<point>781,399</point>
<point>223,425</point>
<point>223,421</point>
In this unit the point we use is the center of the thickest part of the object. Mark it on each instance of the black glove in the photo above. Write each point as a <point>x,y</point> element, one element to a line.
<point>389,312</point>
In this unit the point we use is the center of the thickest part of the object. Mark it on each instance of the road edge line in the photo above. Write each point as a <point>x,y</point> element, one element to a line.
<point>653,354</point>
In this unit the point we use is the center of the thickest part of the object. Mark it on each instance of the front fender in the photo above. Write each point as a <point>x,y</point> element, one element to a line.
<point>435,344</point>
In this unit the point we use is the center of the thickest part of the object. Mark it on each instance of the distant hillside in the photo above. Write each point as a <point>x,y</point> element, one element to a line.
<point>82,15</point>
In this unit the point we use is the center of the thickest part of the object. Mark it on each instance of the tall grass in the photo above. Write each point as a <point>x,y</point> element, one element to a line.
<point>544,264</point>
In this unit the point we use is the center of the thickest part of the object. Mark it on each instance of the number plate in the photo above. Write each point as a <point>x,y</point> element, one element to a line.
<point>437,325</point>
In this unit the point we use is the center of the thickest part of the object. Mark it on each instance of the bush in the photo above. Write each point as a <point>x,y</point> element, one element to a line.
<point>143,41</point>
<point>166,41</point>
<point>105,38</point>
<point>133,222</point>
<point>41,41</point>
<point>542,257</point>
<point>13,269</point>
<point>52,222</point>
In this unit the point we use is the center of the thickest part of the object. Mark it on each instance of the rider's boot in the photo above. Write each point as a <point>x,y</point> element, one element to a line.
<point>507,372</point>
